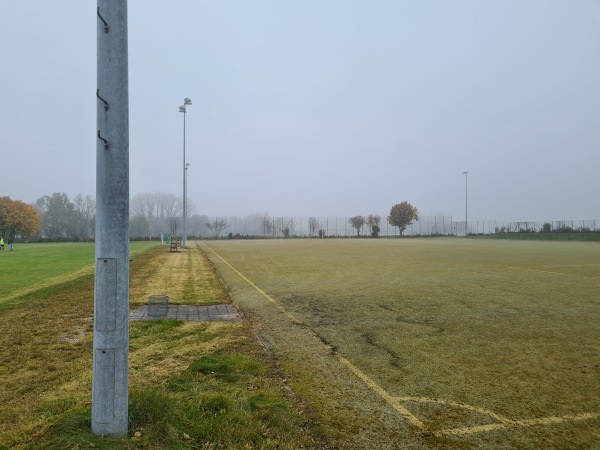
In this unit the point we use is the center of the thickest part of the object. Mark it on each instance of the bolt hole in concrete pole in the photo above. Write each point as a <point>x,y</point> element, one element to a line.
<point>111,290</point>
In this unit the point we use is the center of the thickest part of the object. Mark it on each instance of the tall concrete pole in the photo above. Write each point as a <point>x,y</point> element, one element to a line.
<point>466,174</point>
<point>184,184</point>
<point>111,292</point>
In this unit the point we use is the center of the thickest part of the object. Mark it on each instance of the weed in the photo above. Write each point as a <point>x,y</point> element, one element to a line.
<point>229,368</point>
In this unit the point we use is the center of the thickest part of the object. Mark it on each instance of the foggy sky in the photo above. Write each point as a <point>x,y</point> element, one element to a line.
<point>337,107</point>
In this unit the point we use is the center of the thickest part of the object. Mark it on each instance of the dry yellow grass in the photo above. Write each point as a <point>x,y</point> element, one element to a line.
<point>429,343</point>
<point>168,273</point>
<point>43,346</point>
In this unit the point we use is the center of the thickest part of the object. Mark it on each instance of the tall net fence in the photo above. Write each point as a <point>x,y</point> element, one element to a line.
<point>331,226</point>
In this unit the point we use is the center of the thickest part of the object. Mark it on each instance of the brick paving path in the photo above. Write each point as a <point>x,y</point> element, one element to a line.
<point>190,313</point>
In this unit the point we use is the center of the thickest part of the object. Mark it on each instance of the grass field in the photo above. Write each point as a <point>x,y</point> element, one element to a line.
<point>431,343</point>
<point>31,266</point>
<point>191,385</point>
<point>394,343</point>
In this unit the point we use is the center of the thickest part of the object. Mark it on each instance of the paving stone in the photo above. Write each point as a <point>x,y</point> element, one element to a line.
<point>189,313</point>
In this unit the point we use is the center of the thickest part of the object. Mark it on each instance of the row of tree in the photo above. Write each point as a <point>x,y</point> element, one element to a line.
<point>61,218</point>
<point>402,215</point>
<point>56,217</point>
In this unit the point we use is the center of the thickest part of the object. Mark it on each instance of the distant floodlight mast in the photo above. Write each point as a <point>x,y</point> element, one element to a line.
<point>466,173</point>
<point>187,165</point>
<point>182,109</point>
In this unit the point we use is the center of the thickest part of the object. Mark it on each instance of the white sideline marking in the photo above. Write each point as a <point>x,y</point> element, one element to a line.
<point>395,402</point>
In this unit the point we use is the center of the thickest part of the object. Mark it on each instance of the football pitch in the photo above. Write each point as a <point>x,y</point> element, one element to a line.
<point>429,343</point>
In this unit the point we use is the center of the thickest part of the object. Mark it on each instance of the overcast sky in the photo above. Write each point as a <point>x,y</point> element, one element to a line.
<point>318,107</point>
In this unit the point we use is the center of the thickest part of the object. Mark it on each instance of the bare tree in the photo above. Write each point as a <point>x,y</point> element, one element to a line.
<point>287,227</point>
<point>84,214</point>
<point>217,226</point>
<point>313,226</point>
<point>167,205</point>
<point>267,226</point>
<point>161,205</point>
<point>138,206</point>
<point>190,207</point>
<point>254,223</point>
<point>160,208</point>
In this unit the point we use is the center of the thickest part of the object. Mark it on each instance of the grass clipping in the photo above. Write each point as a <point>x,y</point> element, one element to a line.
<point>192,385</point>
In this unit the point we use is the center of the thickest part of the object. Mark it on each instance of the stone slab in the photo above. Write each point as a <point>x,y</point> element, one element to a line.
<point>189,313</point>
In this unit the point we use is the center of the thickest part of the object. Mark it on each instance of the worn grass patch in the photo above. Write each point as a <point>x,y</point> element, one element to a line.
<point>169,274</point>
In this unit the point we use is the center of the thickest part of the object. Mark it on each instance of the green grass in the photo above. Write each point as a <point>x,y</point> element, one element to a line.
<point>34,264</point>
<point>223,400</point>
<point>459,332</point>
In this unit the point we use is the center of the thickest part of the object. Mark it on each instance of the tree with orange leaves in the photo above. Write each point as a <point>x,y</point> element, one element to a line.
<point>17,218</point>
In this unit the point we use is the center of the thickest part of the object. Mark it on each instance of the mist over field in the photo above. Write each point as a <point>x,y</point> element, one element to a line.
<point>318,108</point>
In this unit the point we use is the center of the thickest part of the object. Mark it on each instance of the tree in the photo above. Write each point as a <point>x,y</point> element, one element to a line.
<point>402,215</point>
<point>85,214</point>
<point>375,231</point>
<point>287,227</point>
<point>17,218</point>
<point>313,225</point>
<point>266,226</point>
<point>217,226</point>
<point>139,227</point>
<point>160,208</point>
<point>373,221</point>
<point>57,215</point>
<point>357,222</point>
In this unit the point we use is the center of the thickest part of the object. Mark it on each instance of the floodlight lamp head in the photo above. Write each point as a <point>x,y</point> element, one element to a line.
<point>187,165</point>
<point>465,172</point>
<point>187,101</point>
<point>182,109</point>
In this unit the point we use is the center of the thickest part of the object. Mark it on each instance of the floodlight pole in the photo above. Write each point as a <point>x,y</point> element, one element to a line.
<point>466,174</point>
<point>182,109</point>
<point>187,165</point>
<point>110,389</point>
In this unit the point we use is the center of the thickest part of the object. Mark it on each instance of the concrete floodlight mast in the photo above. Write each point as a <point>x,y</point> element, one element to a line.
<point>111,290</point>
<point>466,174</point>
<point>182,109</point>
<point>187,165</point>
